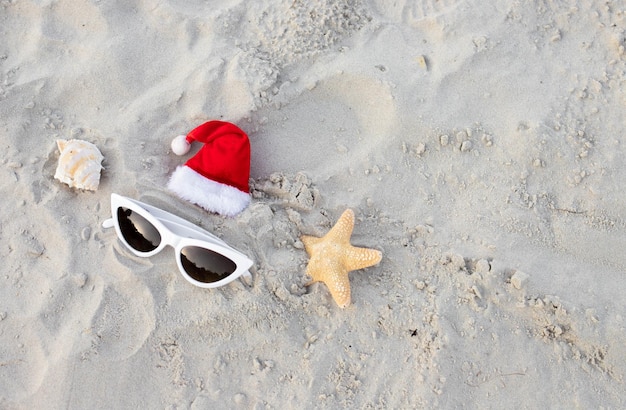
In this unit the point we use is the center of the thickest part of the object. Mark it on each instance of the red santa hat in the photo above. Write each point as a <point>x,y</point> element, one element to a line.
<point>216,178</point>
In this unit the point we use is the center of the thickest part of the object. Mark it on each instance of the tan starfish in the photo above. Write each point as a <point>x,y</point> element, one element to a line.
<point>332,257</point>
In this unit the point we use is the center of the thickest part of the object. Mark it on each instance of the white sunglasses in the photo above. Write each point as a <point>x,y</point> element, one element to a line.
<point>203,259</point>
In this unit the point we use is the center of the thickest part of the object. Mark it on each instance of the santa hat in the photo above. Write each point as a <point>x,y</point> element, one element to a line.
<point>216,178</point>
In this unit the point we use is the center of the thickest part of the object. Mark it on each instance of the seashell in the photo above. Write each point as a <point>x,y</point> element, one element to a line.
<point>79,164</point>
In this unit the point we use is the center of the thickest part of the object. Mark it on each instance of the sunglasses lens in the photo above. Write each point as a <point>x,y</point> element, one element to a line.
<point>204,265</point>
<point>140,234</point>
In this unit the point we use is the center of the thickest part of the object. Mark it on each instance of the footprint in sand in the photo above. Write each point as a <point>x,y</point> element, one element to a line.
<point>123,321</point>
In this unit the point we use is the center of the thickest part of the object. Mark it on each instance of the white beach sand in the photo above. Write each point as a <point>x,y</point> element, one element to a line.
<point>482,146</point>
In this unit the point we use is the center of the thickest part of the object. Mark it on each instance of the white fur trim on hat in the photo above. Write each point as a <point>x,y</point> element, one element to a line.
<point>210,195</point>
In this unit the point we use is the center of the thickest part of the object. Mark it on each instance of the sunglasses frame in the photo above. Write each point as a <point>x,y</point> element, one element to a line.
<point>178,233</point>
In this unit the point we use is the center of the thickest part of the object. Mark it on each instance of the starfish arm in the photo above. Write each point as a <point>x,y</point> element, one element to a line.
<point>309,242</point>
<point>339,286</point>
<point>314,272</point>
<point>360,258</point>
<point>342,230</point>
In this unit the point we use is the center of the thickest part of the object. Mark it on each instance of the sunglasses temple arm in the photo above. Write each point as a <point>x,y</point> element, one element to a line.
<point>246,278</point>
<point>109,223</point>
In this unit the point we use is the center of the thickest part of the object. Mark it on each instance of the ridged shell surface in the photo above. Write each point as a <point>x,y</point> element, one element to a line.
<point>79,164</point>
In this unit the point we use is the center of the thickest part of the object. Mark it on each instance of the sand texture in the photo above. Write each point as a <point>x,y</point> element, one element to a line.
<point>481,145</point>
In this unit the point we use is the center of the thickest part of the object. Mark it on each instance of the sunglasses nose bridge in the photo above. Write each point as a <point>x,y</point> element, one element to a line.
<point>170,238</point>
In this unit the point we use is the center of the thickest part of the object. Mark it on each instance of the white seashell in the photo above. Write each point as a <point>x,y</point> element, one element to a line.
<point>79,164</point>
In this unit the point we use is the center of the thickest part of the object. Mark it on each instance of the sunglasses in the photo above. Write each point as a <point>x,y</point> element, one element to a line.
<point>203,259</point>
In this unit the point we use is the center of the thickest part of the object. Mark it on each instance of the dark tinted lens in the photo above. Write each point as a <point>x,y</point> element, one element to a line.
<point>137,231</point>
<point>204,265</point>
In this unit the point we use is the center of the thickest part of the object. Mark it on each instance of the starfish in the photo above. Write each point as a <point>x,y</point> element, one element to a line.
<point>332,257</point>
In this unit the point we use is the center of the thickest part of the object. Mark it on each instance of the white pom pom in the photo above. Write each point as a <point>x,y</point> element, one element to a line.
<point>180,145</point>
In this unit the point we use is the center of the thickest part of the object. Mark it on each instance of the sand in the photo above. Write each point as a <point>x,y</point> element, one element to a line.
<point>480,144</point>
